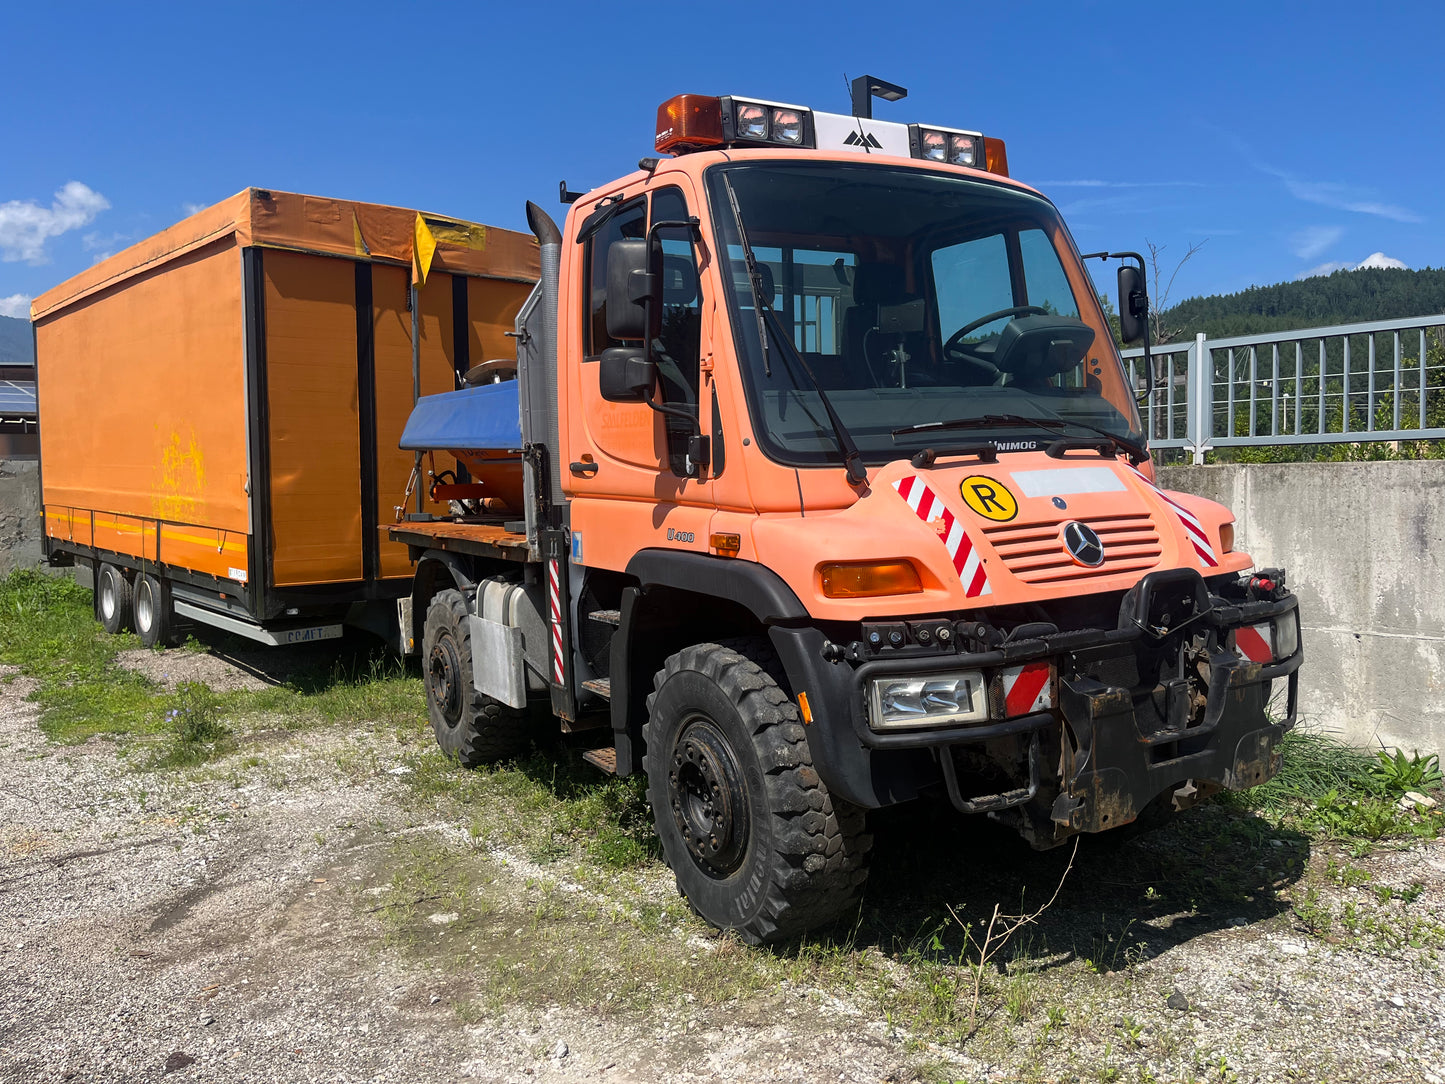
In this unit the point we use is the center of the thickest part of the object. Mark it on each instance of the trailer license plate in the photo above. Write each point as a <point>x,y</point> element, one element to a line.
<point>305,636</point>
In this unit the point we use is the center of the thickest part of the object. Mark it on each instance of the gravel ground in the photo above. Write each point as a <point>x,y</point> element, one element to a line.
<point>156,927</point>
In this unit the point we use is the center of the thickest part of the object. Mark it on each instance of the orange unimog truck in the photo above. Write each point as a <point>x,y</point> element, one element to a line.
<point>221,405</point>
<point>835,496</point>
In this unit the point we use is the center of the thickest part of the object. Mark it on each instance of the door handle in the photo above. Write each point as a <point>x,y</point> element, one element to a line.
<point>583,470</point>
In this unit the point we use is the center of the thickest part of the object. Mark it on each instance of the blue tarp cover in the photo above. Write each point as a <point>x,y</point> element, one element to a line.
<point>487,416</point>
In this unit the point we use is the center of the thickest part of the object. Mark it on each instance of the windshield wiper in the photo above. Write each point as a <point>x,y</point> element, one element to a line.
<point>1136,452</point>
<point>768,322</point>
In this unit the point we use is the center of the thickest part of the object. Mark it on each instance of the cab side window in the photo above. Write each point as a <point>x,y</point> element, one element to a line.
<point>680,325</point>
<point>630,223</point>
<point>678,346</point>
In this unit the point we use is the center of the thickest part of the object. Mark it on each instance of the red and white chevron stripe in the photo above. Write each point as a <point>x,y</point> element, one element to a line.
<point>966,560</point>
<point>554,596</point>
<point>1027,689</point>
<point>1198,537</point>
<point>1255,643</point>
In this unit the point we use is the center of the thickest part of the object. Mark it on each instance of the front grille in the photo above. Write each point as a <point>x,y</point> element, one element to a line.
<point>1035,553</point>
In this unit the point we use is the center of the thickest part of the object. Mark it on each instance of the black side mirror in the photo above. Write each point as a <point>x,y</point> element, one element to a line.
<point>1133,304</point>
<point>625,375</point>
<point>630,289</point>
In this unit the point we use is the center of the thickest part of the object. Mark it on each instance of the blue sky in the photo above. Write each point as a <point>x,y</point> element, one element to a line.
<point>1283,137</point>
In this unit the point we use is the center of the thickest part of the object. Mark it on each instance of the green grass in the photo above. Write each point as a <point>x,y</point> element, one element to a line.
<point>48,629</point>
<point>1332,790</point>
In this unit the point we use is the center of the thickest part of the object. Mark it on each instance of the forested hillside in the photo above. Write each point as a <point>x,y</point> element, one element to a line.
<point>16,345</point>
<point>1345,297</point>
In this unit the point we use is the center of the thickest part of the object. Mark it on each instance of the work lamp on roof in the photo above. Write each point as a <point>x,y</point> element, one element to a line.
<point>959,148</point>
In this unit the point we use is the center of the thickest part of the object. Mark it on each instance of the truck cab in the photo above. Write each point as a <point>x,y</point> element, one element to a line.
<point>837,496</point>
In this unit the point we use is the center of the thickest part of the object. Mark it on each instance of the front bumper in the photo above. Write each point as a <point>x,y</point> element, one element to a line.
<point>1110,744</point>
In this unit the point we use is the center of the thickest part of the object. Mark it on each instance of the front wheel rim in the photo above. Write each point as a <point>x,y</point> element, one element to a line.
<point>107,597</point>
<point>708,795</point>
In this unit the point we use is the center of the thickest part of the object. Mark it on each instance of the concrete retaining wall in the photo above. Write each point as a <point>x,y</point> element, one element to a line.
<point>1364,546</point>
<point>19,514</point>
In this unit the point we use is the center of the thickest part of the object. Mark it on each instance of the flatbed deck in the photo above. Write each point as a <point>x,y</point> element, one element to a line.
<point>478,539</point>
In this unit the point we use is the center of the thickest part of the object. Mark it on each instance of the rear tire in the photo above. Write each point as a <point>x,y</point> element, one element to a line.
<point>112,599</point>
<point>151,610</point>
<point>755,840</point>
<point>469,725</point>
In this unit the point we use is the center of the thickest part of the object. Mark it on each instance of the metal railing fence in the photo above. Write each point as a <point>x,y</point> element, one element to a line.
<point>1378,381</point>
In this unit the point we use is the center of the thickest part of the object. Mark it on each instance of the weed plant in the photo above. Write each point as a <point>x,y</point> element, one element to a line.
<point>1328,788</point>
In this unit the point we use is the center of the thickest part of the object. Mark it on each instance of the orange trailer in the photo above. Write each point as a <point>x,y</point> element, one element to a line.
<point>222,402</point>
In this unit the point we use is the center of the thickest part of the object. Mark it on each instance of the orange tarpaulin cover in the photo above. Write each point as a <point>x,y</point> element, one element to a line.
<point>271,219</point>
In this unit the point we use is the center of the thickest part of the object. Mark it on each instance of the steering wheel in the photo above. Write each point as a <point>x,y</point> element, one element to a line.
<point>979,360</point>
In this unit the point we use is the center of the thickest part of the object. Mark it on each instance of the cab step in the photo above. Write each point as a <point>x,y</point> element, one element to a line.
<point>600,686</point>
<point>605,758</point>
<point>606,617</point>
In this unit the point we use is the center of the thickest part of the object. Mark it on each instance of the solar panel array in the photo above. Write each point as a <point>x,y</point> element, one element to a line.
<point>17,397</point>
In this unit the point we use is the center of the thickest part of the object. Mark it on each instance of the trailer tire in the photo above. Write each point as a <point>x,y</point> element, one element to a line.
<point>756,842</point>
<point>473,727</point>
<point>112,599</point>
<point>151,610</point>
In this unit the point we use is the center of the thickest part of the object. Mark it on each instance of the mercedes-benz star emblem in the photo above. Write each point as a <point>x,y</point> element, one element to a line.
<point>1083,544</point>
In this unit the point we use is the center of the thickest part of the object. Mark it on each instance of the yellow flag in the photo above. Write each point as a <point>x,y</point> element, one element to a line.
<point>362,248</point>
<point>423,247</point>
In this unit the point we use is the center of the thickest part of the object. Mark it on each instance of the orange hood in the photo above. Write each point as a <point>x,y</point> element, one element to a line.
<point>993,534</point>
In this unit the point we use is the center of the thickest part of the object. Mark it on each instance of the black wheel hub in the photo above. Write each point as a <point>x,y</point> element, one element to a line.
<point>708,797</point>
<point>443,682</point>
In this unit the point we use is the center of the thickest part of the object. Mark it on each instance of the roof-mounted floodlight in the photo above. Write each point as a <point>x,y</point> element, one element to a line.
<point>868,87</point>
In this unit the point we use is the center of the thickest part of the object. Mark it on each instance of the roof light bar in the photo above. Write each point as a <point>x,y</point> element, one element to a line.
<point>694,122</point>
<point>956,146</point>
<point>691,122</point>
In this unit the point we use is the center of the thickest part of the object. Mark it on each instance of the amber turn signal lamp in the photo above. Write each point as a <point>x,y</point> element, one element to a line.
<point>864,579</point>
<point>726,545</point>
<point>805,709</point>
<point>1226,538</point>
<point>689,120</point>
<point>995,156</point>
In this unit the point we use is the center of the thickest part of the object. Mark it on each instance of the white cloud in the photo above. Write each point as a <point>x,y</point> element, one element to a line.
<point>25,226</point>
<point>1311,241</point>
<point>1375,260</point>
<point>1379,259</point>
<point>1328,268</point>
<point>189,209</point>
<point>1340,197</point>
<point>17,305</point>
<point>1045,185</point>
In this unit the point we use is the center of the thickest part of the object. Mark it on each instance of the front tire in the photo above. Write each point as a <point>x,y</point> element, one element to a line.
<point>112,599</point>
<point>756,842</point>
<point>151,610</point>
<point>470,726</point>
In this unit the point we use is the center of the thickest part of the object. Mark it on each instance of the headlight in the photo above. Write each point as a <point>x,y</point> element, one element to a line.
<point>752,122</point>
<point>928,700</point>
<point>959,148</point>
<point>1286,635</point>
<point>787,126</point>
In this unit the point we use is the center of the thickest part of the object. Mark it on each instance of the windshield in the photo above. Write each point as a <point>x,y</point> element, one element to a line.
<point>913,298</point>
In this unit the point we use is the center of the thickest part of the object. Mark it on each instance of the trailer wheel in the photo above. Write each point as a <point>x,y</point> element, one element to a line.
<point>470,726</point>
<point>112,599</point>
<point>151,610</point>
<point>756,842</point>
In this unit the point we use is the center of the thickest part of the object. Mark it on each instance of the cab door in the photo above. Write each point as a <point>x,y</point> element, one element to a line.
<point>628,472</point>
